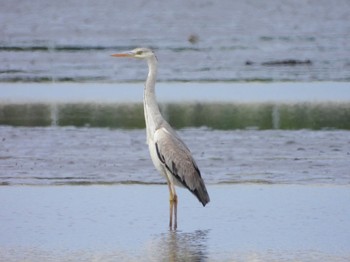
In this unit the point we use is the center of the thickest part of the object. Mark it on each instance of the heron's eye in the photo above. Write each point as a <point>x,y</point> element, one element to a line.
<point>139,52</point>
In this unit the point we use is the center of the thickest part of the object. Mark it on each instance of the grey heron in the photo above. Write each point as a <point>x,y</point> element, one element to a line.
<point>169,154</point>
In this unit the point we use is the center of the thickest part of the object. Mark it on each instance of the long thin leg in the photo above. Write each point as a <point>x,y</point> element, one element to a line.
<point>171,212</point>
<point>175,210</point>
<point>173,205</point>
<point>171,202</point>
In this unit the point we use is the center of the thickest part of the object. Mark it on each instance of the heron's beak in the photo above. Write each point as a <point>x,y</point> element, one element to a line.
<point>127,54</point>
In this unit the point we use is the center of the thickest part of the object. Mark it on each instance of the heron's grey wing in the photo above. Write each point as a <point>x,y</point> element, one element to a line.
<point>177,159</point>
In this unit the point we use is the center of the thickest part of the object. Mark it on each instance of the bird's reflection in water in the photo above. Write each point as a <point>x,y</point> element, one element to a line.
<point>180,246</point>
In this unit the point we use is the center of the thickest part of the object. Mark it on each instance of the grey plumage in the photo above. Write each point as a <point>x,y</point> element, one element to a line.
<point>177,159</point>
<point>169,154</point>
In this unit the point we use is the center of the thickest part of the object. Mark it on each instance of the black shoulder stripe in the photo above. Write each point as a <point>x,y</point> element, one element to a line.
<point>161,158</point>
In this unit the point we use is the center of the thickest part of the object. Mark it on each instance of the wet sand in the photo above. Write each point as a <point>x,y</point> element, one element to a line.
<point>129,223</point>
<point>91,156</point>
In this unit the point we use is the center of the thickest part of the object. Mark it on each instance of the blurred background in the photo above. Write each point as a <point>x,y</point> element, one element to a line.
<point>208,40</point>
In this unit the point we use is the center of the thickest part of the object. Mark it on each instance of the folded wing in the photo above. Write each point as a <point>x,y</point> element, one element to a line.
<point>177,159</point>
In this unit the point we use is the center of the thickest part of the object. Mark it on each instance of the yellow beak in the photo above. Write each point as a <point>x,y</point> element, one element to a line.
<point>123,55</point>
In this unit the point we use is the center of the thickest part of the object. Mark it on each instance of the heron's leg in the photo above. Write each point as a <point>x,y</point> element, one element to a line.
<point>173,206</point>
<point>171,212</point>
<point>175,210</point>
<point>171,202</point>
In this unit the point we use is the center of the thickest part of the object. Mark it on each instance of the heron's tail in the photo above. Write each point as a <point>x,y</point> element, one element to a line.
<point>201,193</point>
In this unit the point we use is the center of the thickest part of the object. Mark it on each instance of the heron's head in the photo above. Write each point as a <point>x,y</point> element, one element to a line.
<point>141,53</point>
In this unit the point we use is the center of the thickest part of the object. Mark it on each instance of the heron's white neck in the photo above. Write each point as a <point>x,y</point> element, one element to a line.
<point>153,116</point>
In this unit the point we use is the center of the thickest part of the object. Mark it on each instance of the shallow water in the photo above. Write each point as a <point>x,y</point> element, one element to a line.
<point>69,155</point>
<point>237,40</point>
<point>129,223</point>
<point>219,92</point>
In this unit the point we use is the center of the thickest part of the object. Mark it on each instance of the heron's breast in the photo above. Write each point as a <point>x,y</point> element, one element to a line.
<point>154,156</point>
